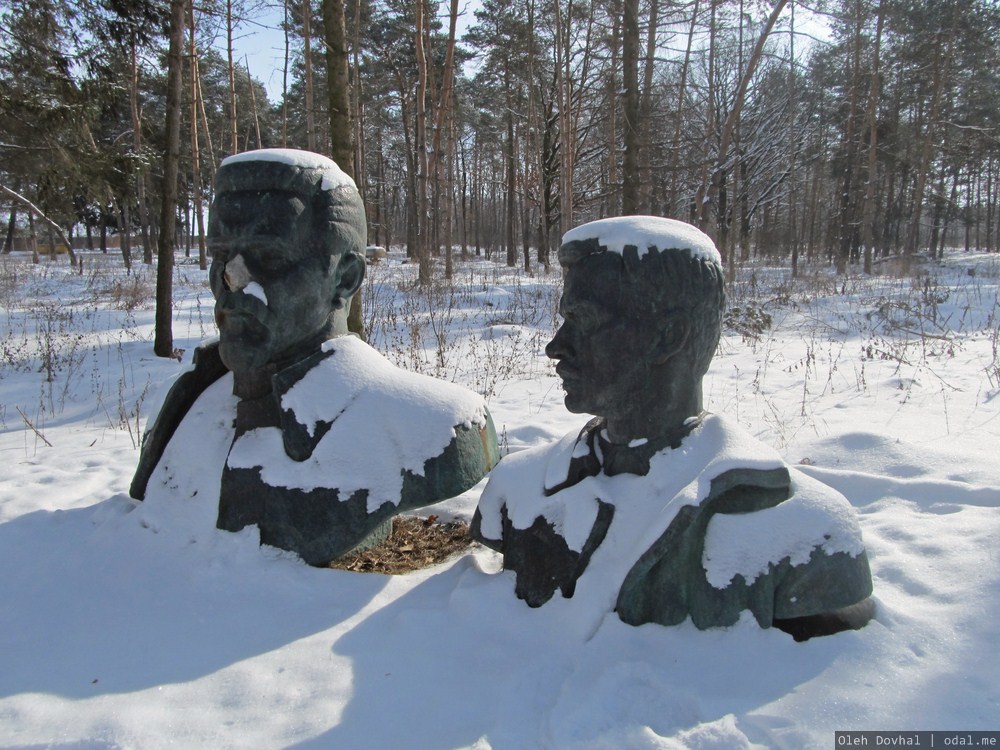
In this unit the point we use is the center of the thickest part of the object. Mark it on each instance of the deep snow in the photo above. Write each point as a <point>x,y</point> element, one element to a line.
<point>127,625</point>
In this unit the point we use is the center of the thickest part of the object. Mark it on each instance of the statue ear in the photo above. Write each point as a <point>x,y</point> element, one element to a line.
<point>672,338</point>
<point>350,274</point>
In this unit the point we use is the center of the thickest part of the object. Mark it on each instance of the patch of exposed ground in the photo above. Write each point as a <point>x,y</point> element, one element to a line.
<point>414,543</point>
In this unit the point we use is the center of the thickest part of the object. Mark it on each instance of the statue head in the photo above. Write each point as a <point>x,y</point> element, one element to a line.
<point>287,234</point>
<point>642,311</point>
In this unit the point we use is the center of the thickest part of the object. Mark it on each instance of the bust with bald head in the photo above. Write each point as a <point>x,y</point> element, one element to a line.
<point>318,459</point>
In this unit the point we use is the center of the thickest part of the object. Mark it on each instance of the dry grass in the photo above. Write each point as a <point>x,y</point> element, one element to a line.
<point>414,543</point>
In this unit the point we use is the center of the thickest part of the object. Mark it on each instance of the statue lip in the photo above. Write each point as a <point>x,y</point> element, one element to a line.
<point>234,318</point>
<point>567,372</point>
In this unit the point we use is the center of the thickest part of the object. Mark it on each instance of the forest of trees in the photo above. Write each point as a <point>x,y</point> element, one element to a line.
<point>878,138</point>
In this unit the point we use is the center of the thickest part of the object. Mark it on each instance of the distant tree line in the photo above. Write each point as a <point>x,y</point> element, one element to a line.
<point>879,139</point>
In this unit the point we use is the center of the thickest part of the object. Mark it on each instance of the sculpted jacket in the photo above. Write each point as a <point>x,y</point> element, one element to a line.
<point>706,530</point>
<point>344,441</point>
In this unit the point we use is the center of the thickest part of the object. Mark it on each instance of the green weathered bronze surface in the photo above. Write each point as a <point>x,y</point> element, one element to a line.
<point>301,241</point>
<point>638,335</point>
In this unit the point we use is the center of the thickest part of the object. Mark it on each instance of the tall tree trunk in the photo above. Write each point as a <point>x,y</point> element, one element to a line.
<point>307,63</point>
<point>163,342</point>
<point>940,68</point>
<point>449,218</point>
<point>423,247</point>
<point>793,197</point>
<point>564,84</point>
<point>196,197</point>
<point>612,189</point>
<point>646,113</point>
<point>949,211</point>
<point>989,203</point>
<point>33,238</point>
<point>341,127</point>
<point>286,28</point>
<point>510,169</point>
<point>443,118</point>
<point>204,118</point>
<point>125,236</point>
<point>871,117</point>
<point>8,242</point>
<point>630,107</point>
<point>358,108</point>
<point>699,210</point>
<point>140,172</point>
<point>234,144</point>
<point>253,104</point>
<point>338,84</point>
<point>847,219</point>
<point>675,143</point>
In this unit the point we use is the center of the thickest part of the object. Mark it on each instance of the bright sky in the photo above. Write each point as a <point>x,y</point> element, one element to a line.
<point>262,43</point>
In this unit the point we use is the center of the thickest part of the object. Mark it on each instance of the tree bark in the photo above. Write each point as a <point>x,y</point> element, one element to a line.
<point>341,126</point>
<point>846,223</point>
<point>443,126</point>
<point>338,84</point>
<point>646,200</point>
<point>140,174</point>
<point>358,106</point>
<point>793,198</point>
<point>630,107</point>
<point>234,144</point>
<point>196,198</point>
<point>612,188</point>
<point>163,342</point>
<point>940,68</point>
<point>286,28</point>
<point>8,242</point>
<point>307,63</point>
<point>564,85</point>
<point>868,210</point>
<point>423,247</point>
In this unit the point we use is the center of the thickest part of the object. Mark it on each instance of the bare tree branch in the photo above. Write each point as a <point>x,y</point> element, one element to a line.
<point>41,215</point>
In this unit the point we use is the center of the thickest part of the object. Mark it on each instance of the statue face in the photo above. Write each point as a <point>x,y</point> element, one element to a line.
<point>605,350</point>
<point>274,283</point>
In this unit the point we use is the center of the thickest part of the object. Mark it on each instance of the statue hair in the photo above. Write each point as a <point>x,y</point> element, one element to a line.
<point>338,213</point>
<point>668,282</point>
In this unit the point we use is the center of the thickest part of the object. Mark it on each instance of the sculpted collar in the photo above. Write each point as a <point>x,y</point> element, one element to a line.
<point>594,453</point>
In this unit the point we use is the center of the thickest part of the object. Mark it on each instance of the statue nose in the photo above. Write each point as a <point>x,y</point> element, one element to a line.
<point>558,347</point>
<point>236,275</point>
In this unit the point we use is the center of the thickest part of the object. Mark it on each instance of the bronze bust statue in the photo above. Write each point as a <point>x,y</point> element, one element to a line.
<point>329,439</point>
<point>654,506</point>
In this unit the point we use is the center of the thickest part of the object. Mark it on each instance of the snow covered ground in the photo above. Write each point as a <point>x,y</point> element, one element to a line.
<point>128,625</point>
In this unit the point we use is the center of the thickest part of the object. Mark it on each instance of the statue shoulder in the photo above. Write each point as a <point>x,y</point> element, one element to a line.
<point>206,368</point>
<point>347,400</point>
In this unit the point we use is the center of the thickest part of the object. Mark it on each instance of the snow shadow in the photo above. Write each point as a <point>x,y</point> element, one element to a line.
<point>106,602</point>
<point>458,660</point>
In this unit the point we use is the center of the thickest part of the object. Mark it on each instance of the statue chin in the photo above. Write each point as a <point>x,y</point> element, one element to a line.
<point>242,356</point>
